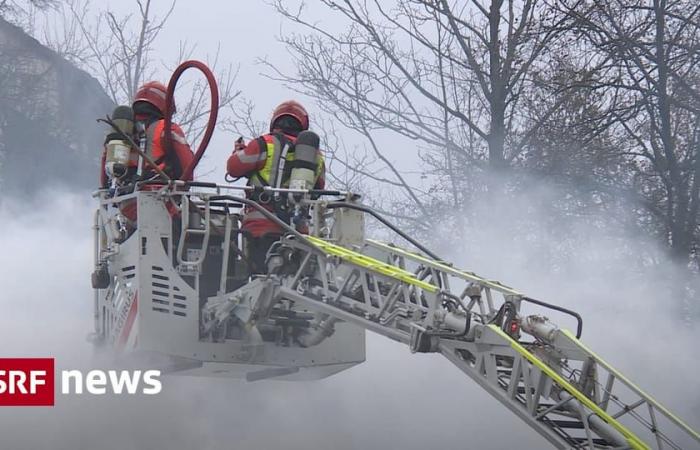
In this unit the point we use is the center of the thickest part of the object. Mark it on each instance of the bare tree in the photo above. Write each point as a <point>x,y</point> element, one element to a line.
<point>448,77</point>
<point>119,51</point>
<point>655,69</point>
<point>116,49</point>
<point>22,12</point>
<point>15,8</point>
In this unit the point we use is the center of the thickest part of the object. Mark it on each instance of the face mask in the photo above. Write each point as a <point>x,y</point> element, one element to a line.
<point>146,112</point>
<point>288,125</point>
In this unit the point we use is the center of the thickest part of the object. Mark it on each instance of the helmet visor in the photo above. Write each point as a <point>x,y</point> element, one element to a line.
<point>146,109</point>
<point>288,125</point>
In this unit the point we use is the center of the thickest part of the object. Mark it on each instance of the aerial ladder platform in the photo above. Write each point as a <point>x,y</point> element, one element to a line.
<point>174,288</point>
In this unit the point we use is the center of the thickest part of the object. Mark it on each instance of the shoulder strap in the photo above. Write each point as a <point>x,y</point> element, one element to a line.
<point>282,146</point>
<point>150,138</point>
<point>262,144</point>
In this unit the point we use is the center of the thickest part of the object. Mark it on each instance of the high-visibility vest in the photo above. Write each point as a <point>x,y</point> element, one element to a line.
<point>279,161</point>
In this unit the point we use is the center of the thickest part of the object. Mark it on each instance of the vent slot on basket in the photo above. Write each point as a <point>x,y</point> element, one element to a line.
<point>128,272</point>
<point>166,298</point>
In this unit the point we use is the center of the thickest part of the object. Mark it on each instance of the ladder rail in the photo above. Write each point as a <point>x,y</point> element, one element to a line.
<point>417,305</point>
<point>644,397</point>
<point>185,231</point>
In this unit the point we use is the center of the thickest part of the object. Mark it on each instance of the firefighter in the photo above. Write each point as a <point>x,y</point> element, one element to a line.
<point>148,113</point>
<point>149,109</point>
<point>269,160</point>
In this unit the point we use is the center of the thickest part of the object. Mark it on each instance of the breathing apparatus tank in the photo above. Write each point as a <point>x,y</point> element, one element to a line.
<point>118,149</point>
<point>303,175</point>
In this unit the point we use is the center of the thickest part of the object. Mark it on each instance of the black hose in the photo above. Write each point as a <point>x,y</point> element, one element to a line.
<point>320,192</point>
<point>574,314</point>
<point>393,227</point>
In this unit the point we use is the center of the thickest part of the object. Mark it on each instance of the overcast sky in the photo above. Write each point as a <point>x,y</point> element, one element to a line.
<point>394,400</point>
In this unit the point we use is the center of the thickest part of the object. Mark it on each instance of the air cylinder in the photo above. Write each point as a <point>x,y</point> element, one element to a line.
<point>306,151</point>
<point>118,149</point>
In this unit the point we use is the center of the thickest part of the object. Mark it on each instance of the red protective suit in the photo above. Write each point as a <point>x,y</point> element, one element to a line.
<point>173,165</point>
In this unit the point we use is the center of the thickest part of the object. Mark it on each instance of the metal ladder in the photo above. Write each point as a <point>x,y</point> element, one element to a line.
<point>553,383</point>
<point>185,264</point>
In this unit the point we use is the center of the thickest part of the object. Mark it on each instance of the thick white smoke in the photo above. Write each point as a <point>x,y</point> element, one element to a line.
<point>394,400</point>
<point>639,311</point>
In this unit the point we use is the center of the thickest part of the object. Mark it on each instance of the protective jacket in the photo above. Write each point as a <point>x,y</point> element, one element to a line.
<point>172,163</point>
<point>268,161</point>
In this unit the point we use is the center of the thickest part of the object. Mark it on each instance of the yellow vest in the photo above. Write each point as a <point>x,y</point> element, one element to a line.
<point>279,148</point>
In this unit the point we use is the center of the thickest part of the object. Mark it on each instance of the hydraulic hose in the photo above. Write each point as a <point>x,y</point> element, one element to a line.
<point>213,112</point>
<point>574,314</point>
<point>390,225</point>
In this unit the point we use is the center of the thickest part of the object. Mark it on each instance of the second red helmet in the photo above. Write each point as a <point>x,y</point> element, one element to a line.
<point>291,108</point>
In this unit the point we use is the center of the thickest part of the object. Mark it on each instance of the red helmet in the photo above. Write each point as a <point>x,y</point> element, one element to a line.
<point>291,108</point>
<point>152,92</point>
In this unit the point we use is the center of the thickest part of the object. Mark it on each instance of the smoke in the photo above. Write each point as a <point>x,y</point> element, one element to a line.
<point>640,310</point>
<point>394,400</point>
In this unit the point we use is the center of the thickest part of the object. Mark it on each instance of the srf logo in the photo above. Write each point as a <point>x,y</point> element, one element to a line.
<point>26,381</point>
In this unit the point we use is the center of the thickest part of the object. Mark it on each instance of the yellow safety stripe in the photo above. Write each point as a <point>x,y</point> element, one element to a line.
<point>632,439</point>
<point>631,385</point>
<point>371,264</point>
<point>266,171</point>
<point>267,168</point>
<point>460,273</point>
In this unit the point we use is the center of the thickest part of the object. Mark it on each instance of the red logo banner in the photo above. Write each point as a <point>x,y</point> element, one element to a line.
<point>26,382</point>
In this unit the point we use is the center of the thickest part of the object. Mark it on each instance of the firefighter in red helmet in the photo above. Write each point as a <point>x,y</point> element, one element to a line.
<point>268,161</point>
<point>149,112</point>
<point>149,109</point>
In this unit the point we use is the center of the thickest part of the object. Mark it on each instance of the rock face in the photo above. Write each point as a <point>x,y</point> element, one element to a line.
<point>49,136</point>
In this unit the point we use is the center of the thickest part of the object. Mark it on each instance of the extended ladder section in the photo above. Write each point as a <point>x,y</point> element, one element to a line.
<point>564,391</point>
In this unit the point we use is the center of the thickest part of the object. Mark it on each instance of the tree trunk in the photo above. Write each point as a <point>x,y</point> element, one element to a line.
<point>497,99</point>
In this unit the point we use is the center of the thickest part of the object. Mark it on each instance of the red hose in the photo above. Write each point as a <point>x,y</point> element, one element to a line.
<point>214,111</point>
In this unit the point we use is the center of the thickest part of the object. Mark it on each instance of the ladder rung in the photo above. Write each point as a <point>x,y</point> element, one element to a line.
<point>596,441</point>
<point>569,424</point>
<point>522,390</point>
